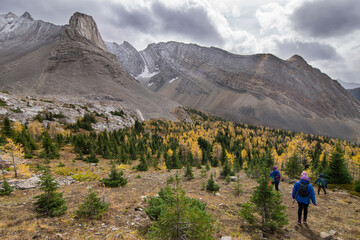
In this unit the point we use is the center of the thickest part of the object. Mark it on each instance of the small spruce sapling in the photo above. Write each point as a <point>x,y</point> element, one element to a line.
<point>115,178</point>
<point>5,188</point>
<point>50,203</point>
<point>92,207</point>
<point>266,203</point>
<point>188,172</point>
<point>211,185</point>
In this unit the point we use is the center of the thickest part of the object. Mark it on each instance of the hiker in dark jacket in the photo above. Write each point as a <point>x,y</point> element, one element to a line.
<point>303,192</point>
<point>275,175</point>
<point>322,184</point>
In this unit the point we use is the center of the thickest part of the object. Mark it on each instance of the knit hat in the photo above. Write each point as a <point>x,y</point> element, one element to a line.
<point>275,167</point>
<point>306,178</point>
<point>304,174</point>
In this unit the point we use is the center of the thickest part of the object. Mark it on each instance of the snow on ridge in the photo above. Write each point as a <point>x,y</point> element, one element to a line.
<point>150,84</point>
<point>173,79</point>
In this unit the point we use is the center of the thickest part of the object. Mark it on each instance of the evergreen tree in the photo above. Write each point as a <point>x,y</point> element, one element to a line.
<point>266,203</point>
<point>92,158</point>
<point>269,159</point>
<point>50,203</point>
<point>92,207</point>
<point>226,170</point>
<point>143,166</point>
<point>50,151</point>
<point>293,167</point>
<point>323,165</point>
<point>115,178</point>
<point>7,129</point>
<point>188,172</point>
<point>5,188</point>
<point>337,171</point>
<point>178,217</point>
<point>211,185</point>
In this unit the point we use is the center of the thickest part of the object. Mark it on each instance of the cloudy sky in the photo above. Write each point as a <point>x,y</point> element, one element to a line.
<point>325,32</point>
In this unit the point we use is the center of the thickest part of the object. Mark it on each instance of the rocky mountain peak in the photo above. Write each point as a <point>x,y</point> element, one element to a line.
<point>298,60</point>
<point>26,15</point>
<point>10,16</point>
<point>84,26</point>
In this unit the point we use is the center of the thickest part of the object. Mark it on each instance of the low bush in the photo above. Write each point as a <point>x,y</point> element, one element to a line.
<point>86,177</point>
<point>63,171</point>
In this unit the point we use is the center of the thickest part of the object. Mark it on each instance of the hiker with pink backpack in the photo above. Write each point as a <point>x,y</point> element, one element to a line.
<point>303,193</point>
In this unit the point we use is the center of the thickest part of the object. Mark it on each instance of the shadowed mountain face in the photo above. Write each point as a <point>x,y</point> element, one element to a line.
<point>355,92</point>
<point>257,89</point>
<point>44,59</point>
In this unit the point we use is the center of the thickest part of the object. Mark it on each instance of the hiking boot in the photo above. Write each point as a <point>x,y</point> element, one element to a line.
<point>299,222</point>
<point>304,221</point>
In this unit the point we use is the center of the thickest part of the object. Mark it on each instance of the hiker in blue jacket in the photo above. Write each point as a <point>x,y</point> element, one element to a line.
<point>303,192</point>
<point>321,181</point>
<point>275,175</point>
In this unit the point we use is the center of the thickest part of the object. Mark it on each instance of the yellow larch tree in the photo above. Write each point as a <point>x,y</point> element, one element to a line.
<point>14,153</point>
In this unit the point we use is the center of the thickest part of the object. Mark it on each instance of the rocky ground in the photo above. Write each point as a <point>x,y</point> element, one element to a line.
<point>336,214</point>
<point>25,108</point>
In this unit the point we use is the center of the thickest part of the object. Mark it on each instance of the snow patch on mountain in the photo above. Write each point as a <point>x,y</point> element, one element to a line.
<point>173,79</point>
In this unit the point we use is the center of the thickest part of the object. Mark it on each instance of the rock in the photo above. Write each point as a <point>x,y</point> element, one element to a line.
<point>233,178</point>
<point>332,232</point>
<point>28,183</point>
<point>226,238</point>
<point>65,181</point>
<point>222,206</point>
<point>217,194</point>
<point>325,235</point>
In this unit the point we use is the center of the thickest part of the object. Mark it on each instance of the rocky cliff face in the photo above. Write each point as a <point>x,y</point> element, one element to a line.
<point>84,26</point>
<point>73,61</point>
<point>258,89</point>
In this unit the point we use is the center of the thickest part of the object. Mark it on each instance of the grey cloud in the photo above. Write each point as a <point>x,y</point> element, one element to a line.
<point>139,19</point>
<point>191,21</point>
<point>309,50</point>
<point>326,18</point>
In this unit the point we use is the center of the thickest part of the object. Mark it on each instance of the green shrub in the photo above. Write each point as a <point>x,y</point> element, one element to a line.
<point>50,203</point>
<point>357,186</point>
<point>63,171</point>
<point>266,203</point>
<point>115,178</point>
<point>188,172</point>
<point>211,186</point>
<point>143,166</point>
<point>177,216</point>
<point>92,207</point>
<point>2,103</point>
<point>91,159</point>
<point>5,188</point>
<point>85,177</point>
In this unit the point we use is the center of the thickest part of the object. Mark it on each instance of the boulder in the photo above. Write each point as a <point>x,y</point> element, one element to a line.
<point>226,238</point>
<point>329,235</point>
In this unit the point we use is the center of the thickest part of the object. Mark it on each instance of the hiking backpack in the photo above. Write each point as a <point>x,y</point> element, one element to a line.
<point>277,178</point>
<point>303,189</point>
<point>322,182</point>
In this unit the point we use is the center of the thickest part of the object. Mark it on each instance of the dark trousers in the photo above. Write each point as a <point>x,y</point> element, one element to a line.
<point>321,187</point>
<point>301,207</point>
<point>276,186</point>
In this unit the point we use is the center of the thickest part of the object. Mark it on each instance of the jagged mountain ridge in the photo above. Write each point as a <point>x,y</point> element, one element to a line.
<point>258,89</point>
<point>70,60</point>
